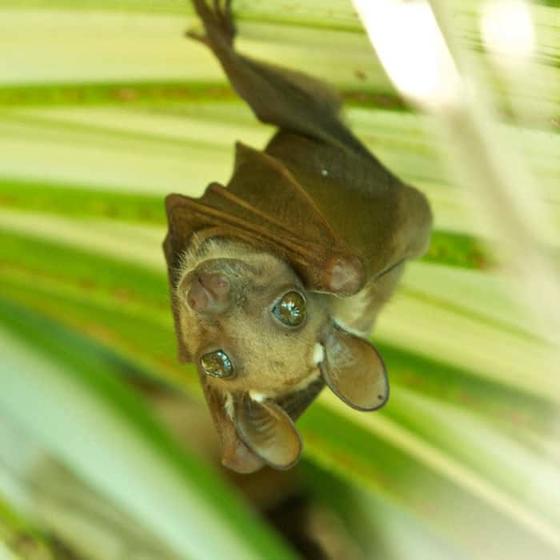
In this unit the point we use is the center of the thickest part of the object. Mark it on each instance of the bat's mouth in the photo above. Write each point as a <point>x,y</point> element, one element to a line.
<point>296,402</point>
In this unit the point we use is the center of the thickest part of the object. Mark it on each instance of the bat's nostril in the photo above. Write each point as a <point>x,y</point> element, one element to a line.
<point>215,283</point>
<point>198,297</point>
<point>209,292</point>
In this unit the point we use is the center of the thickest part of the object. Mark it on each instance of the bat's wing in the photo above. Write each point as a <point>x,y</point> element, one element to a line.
<point>383,220</point>
<point>267,208</point>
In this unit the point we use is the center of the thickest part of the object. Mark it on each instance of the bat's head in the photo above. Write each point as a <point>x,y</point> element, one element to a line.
<point>250,324</point>
<point>261,340</point>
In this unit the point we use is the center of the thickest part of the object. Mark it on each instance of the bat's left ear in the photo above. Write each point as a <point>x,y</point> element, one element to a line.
<point>267,430</point>
<point>354,370</point>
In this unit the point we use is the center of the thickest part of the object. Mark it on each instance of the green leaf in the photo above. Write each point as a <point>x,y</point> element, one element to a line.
<point>65,396</point>
<point>104,109</point>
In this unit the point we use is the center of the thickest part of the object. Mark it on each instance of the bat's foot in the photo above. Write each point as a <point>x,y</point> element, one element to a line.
<point>219,28</point>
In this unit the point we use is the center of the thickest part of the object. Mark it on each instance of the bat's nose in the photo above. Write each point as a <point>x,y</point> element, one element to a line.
<point>209,292</point>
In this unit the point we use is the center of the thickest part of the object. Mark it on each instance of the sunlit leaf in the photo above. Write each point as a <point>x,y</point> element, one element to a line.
<point>105,108</point>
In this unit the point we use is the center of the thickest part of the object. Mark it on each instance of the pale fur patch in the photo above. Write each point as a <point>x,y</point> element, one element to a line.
<point>228,404</point>
<point>258,397</point>
<point>318,353</point>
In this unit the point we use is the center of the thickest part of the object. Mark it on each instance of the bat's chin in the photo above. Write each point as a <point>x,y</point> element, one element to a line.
<point>299,383</point>
<point>284,391</point>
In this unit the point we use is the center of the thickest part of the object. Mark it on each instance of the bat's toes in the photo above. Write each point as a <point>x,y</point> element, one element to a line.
<point>197,36</point>
<point>225,15</point>
<point>218,22</point>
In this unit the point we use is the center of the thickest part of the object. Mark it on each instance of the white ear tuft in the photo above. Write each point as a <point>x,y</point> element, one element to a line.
<point>318,353</point>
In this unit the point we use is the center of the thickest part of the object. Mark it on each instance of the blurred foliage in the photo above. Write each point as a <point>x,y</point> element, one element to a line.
<point>104,109</point>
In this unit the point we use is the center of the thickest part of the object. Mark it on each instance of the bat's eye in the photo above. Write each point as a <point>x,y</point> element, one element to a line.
<point>217,364</point>
<point>290,309</point>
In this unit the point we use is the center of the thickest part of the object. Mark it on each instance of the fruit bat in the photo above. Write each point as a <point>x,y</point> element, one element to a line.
<point>276,279</point>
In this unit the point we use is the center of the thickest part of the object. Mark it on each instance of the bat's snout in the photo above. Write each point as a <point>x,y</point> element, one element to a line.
<point>209,292</point>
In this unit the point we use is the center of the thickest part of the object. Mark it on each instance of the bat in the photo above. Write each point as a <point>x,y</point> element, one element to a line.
<point>276,279</point>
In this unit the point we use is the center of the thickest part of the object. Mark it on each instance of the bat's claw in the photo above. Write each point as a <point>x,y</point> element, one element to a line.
<point>201,38</point>
<point>218,24</point>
